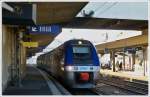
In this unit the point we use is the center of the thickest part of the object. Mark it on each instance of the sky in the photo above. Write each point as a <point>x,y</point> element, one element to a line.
<point>116,10</point>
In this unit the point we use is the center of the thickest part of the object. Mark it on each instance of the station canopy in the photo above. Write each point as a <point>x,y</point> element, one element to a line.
<point>97,18</point>
<point>116,10</point>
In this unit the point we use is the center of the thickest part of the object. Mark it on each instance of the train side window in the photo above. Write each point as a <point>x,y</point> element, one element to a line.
<point>62,61</point>
<point>61,54</point>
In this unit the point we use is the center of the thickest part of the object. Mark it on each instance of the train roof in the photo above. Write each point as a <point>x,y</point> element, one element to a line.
<point>72,41</point>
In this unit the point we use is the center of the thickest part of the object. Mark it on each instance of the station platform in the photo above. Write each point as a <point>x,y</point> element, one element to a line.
<point>35,82</point>
<point>32,83</point>
<point>124,74</point>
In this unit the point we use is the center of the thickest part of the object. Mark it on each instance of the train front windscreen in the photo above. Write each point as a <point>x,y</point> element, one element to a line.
<point>82,55</point>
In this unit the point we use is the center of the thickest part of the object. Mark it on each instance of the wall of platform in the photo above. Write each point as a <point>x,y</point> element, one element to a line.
<point>13,56</point>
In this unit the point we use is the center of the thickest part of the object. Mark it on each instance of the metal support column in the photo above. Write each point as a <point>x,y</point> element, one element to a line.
<point>144,60</point>
<point>130,67</point>
<point>133,61</point>
<point>123,60</point>
<point>113,60</point>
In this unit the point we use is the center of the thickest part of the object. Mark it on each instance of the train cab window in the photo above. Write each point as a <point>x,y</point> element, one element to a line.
<point>81,52</point>
<point>82,55</point>
<point>62,61</point>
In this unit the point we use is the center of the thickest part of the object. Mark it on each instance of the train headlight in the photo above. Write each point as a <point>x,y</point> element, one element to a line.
<point>69,68</point>
<point>79,42</point>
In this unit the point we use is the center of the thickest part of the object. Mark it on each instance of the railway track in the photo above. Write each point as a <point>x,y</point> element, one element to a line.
<point>56,84</point>
<point>99,92</point>
<point>72,91</point>
<point>137,84</point>
<point>83,92</point>
<point>127,86</point>
<point>130,87</point>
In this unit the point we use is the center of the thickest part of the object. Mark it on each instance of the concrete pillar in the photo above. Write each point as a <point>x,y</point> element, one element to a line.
<point>6,75</point>
<point>145,32</point>
<point>21,57</point>
<point>9,53</point>
<point>144,60</point>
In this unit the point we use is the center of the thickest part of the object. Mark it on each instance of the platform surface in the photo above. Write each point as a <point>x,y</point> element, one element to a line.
<point>32,84</point>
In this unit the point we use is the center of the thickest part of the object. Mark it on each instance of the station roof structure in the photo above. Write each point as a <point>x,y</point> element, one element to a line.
<point>107,23</point>
<point>65,14</point>
<point>53,13</point>
<point>141,40</point>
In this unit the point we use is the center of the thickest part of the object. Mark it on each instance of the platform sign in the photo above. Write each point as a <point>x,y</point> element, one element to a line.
<point>30,44</point>
<point>23,14</point>
<point>45,29</point>
<point>130,50</point>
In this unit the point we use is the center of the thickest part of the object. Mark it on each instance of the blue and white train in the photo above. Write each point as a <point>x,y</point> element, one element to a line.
<point>75,62</point>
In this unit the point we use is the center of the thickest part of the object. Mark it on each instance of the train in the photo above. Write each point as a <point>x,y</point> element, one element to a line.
<point>75,62</point>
